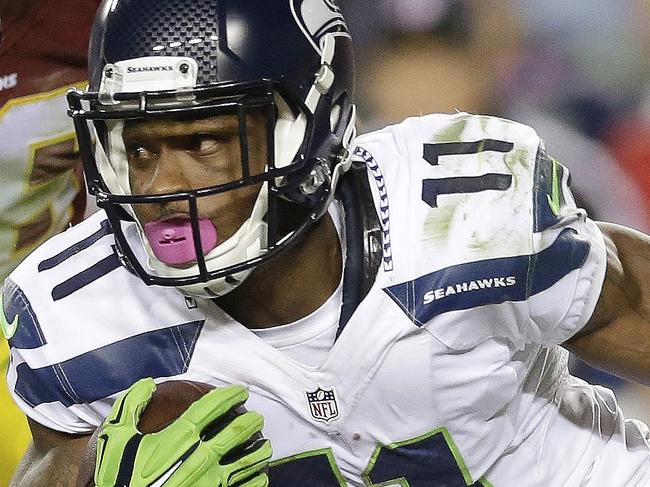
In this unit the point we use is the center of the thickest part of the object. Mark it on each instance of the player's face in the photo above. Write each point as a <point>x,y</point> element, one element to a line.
<point>168,156</point>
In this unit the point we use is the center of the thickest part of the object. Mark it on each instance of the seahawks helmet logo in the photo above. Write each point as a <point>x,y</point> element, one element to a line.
<point>317,18</point>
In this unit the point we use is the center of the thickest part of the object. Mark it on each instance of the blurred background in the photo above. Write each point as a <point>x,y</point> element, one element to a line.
<point>578,72</point>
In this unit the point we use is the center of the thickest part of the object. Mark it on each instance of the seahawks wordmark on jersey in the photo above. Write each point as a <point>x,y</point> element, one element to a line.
<point>448,373</point>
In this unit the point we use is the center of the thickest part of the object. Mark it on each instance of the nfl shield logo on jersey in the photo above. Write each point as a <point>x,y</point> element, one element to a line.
<point>322,404</point>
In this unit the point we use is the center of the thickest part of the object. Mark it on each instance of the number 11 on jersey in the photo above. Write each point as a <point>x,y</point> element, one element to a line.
<point>432,188</point>
<point>430,460</point>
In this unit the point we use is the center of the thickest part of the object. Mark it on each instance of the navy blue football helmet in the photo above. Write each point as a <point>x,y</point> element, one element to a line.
<point>150,59</point>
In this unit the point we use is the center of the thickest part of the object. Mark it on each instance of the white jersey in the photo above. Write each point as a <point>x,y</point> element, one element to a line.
<point>447,374</point>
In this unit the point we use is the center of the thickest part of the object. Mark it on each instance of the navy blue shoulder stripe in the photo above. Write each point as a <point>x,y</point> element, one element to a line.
<point>100,373</point>
<point>28,334</point>
<point>85,277</point>
<point>493,281</point>
<point>105,229</point>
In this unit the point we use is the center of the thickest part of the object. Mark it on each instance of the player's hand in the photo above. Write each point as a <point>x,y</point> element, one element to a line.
<point>182,455</point>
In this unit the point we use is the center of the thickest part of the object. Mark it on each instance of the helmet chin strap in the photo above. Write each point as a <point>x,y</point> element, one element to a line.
<point>248,242</point>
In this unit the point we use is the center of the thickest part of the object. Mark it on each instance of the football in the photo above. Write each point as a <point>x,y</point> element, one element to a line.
<point>168,403</point>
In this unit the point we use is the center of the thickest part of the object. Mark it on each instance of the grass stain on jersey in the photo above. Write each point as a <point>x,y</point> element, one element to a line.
<point>481,247</point>
<point>518,164</point>
<point>453,132</point>
<point>518,159</point>
<point>437,226</point>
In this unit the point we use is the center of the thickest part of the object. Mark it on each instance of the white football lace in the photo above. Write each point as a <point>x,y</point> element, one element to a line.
<point>161,481</point>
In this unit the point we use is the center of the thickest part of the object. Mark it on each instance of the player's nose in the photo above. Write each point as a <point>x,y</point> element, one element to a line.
<point>172,173</point>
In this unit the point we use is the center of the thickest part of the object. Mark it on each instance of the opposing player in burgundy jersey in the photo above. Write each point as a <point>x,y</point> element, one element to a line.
<point>396,304</point>
<point>42,54</point>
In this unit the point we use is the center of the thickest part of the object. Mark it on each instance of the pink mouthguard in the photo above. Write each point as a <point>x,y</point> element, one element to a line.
<point>172,242</point>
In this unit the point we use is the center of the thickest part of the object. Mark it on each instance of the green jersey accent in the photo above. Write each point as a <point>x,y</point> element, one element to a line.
<point>389,465</point>
<point>337,478</point>
<point>418,442</point>
<point>8,329</point>
<point>554,198</point>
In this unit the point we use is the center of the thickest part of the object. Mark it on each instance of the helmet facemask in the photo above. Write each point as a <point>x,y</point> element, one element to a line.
<point>206,266</point>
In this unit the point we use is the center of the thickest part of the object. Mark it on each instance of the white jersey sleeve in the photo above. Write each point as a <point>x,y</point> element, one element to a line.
<point>45,330</point>
<point>489,242</point>
<point>566,245</point>
<point>82,329</point>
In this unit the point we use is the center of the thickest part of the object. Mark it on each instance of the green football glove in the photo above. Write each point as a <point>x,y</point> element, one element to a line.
<point>181,455</point>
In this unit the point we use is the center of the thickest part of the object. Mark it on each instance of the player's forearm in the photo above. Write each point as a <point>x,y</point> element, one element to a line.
<point>617,338</point>
<point>57,467</point>
<point>618,349</point>
<point>52,458</point>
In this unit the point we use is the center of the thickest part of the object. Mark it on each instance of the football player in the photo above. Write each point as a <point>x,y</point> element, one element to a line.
<point>43,46</point>
<point>395,305</point>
